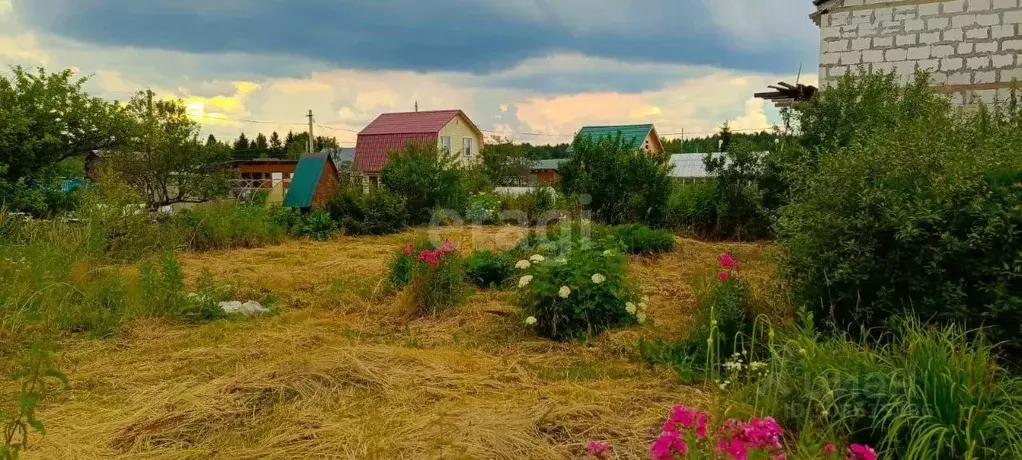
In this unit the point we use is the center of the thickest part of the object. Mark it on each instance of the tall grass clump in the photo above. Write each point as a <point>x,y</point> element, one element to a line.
<point>926,392</point>
<point>227,226</point>
<point>639,239</point>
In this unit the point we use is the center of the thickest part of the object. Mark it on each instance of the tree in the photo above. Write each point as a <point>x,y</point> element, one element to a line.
<point>260,147</point>
<point>275,144</point>
<point>211,141</point>
<point>623,185</point>
<point>162,158</point>
<point>427,179</point>
<point>725,137</point>
<point>505,163</point>
<point>46,118</point>
<point>241,145</point>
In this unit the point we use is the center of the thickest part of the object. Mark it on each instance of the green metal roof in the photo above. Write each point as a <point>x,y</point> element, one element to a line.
<point>633,135</point>
<point>549,164</point>
<point>305,180</point>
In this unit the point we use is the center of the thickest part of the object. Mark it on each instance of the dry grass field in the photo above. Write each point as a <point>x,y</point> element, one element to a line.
<point>339,372</point>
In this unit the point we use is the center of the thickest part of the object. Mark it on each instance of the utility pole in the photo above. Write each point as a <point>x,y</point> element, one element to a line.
<point>416,105</point>
<point>311,138</point>
<point>681,145</point>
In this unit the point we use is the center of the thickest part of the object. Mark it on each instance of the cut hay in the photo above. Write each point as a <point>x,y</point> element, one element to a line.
<point>339,373</point>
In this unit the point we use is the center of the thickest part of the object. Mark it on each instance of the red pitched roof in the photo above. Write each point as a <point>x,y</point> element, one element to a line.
<point>373,151</point>
<point>411,122</point>
<point>392,131</point>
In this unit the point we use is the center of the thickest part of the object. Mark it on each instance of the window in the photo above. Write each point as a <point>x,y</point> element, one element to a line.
<point>466,146</point>
<point>445,144</point>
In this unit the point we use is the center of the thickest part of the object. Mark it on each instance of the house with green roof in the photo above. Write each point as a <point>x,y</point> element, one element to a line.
<point>636,137</point>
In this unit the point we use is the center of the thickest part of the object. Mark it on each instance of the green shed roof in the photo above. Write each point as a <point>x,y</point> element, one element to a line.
<point>633,135</point>
<point>305,180</point>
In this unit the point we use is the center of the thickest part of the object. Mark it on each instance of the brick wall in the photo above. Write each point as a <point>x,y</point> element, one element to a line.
<point>970,47</point>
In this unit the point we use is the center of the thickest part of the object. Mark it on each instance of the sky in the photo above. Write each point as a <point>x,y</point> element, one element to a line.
<point>530,70</point>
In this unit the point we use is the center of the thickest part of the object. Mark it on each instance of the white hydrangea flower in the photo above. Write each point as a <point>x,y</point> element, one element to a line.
<point>564,292</point>
<point>561,260</point>
<point>608,252</point>
<point>642,306</point>
<point>523,264</point>
<point>599,278</point>
<point>524,281</point>
<point>641,317</point>
<point>630,308</point>
<point>531,321</point>
<point>536,258</point>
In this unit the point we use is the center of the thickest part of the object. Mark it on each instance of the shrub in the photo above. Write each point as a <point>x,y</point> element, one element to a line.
<point>721,317</point>
<point>482,209</point>
<point>489,269</point>
<point>314,224</point>
<point>427,179</point>
<point>693,208</point>
<point>226,226</point>
<point>624,186</point>
<point>403,263</point>
<point>437,282</point>
<point>932,231</point>
<point>578,294</point>
<point>638,239</point>
<point>377,212</point>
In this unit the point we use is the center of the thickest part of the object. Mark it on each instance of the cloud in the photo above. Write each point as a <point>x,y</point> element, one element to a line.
<point>477,36</point>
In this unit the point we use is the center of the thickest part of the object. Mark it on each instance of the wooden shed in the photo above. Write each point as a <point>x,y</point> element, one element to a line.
<point>315,181</point>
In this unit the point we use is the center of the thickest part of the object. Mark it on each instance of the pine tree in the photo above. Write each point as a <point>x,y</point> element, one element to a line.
<point>211,141</point>
<point>275,143</point>
<point>241,145</point>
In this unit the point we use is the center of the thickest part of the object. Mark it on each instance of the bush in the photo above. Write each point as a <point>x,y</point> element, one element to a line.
<point>739,199</point>
<point>428,180</point>
<point>437,282</point>
<point>625,186</point>
<point>226,226</point>
<point>693,208</point>
<point>313,224</point>
<point>932,231</point>
<point>482,209</point>
<point>489,269</point>
<point>377,212</point>
<point>578,294</point>
<point>638,239</point>
<point>403,263</point>
<point>539,206</point>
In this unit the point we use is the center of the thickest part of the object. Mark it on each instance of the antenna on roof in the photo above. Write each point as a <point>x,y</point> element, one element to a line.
<point>416,105</point>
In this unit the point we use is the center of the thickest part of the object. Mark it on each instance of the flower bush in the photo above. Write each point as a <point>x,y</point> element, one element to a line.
<point>437,281</point>
<point>489,269</point>
<point>689,433</point>
<point>721,317</point>
<point>403,262</point>
<point>578,294</point>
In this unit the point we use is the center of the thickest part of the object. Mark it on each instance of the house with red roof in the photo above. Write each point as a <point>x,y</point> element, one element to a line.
<point>450,130</point>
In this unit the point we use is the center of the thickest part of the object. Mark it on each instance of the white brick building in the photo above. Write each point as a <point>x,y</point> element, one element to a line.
<point>970,47</point>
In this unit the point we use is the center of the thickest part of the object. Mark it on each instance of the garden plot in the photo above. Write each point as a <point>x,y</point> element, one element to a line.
<point>340,372</point>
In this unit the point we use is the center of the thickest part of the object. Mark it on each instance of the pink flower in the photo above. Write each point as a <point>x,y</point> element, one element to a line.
<point>723,276</point>
<point>447,247</point>
<point>663,447</point>
<point>701,426</point>
<point>733,447</point>
<point>599,449</point>
<point>828,450</point>
<point>728,261</point>
<point>861,452</point>
<point>408,249</point>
